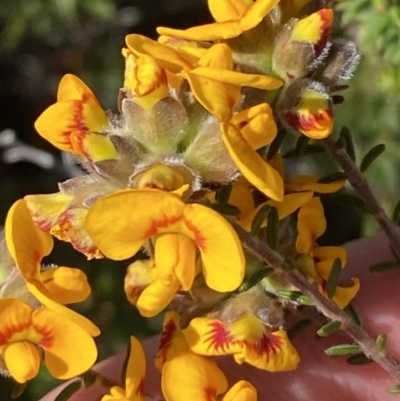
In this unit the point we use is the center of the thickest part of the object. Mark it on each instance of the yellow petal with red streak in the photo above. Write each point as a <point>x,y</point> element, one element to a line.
<point>135,372</point>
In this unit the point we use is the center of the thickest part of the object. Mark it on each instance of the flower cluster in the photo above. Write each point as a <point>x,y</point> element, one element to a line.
<point>195,152</point>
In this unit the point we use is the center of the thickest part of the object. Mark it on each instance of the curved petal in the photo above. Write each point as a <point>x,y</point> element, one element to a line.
<point>135,372</point>
<point>311,224</point>
<point>191,377</point>
<point>138,277</point>
<point>72,88</point>
<point>215,31</point>
<point>252,166</point>
<point>324,257</point>
<point>221,250</point>
<point>116,394</point>
<point>63,311</point>
<point>218,56</point>
<point>175,254</point>
<point>69,349</point>
<point>256,13</point>
<point>120,235</point>
<point>227,10</point>
<point>22,360</point>
<point>157,296</point>
<point>344,295</point>
<point>238,78</point>
<point>216,97</point>
<point>46,209</point>
<point>169,58</point>
<point>27,244</point>
<point>310,183</point>
<point>241,391</point>
<point>65,284</point>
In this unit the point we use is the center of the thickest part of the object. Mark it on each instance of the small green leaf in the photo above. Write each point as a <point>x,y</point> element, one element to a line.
<point>343,349</point>
<point>388,265</point>
<point>355,201</point>
<point>295,296</point>
<point>225,208</point>
<point>310,149</point>
<point>259,219</point>
<point>333,278</point>
<point>255,279</point>
<point>17,389</point>
<point>370,157</point>
<point>396,213</point>
<point>272,228</point>
<point>347,142</point>
<point>327,179</point>
<point>381,343</point>
<point>69,390</point>
<point>298,327</point>
<point>359,359</point>
<point>89,378</point>
<point>329,328</point>
<point>394,389</point>
<point>224,193</point>
<point>353,315</point>
<point>276,144</point>
<point>299,148</point>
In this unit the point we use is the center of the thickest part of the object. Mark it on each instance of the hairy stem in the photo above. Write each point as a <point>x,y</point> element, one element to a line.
<point>323,304</point>
<point>357,180</point>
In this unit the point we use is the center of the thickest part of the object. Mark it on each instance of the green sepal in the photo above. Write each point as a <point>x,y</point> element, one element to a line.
<point>333,278</point>
<point>299,148</point>
<point>298,327</point>
<point>329,328</point>
<point>68,391</point>
<point>371,156</point>
<point>388,265</point>
<point>272,228</point>
<point>343,349</point>
<point>359,359</point>
<point>276,144</point>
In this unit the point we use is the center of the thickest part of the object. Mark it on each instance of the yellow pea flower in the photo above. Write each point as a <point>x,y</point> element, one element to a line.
<point>187,375</point>
<point>233,17</point>
<point>311,224</point>
<point>28,245</point>
<point>76,110</point>
<point>69,350</point>
<point>246,338</point>
<point>120,223</point>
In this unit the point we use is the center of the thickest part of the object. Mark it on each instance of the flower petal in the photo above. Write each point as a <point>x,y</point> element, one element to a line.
<point>344,295</point>
<point>69,349</point>
<point>311,224</point>
<point>241,391</point>
<point>135,372</point>
<point>301,183</point>
<point>27,244</point>
<point>227,10</point>
<point>191,377</point>
<point>22,360</point>
<point>63,311</point>
<point>252,166</point>
<point>137,278</point>
<point>256,13</point>
<point>65,284</point>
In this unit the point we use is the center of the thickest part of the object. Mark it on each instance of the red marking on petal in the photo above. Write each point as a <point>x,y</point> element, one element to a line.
<point>210,393</point>
<point>157,224</point>
<point>267,344</point>
<point>10,330</point>
<point>140,389</point>
<point>219,336</point>
<point>48,337</point>
<point>200,239</point>
<point>325,30</point>
<point>166,337</point>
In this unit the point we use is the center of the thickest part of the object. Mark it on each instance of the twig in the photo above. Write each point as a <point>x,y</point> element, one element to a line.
<point>357,180</point>
<point>323,304</point>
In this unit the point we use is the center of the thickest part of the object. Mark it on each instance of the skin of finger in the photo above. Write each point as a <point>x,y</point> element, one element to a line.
<point>318,376</point>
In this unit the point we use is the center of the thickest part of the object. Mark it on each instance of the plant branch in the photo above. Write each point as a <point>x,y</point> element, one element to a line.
<point>323,304</point>
<point>357,180</point>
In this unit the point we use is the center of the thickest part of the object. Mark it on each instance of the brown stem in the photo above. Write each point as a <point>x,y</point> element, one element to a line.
<point>357,180</point>
<point>323,304</point>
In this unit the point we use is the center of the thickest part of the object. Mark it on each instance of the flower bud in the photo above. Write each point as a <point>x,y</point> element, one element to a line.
<point>302,44</point>
<point>307,107</point>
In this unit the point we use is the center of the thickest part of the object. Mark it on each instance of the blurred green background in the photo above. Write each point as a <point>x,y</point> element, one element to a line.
<point>41,40</point>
